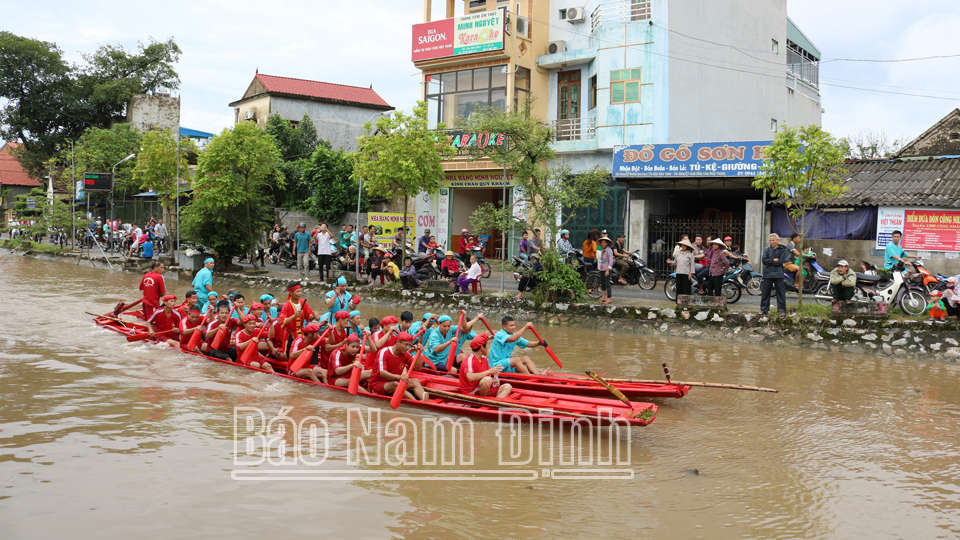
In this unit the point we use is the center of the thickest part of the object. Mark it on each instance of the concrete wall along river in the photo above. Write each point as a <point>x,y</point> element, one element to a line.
<point>101,438</point>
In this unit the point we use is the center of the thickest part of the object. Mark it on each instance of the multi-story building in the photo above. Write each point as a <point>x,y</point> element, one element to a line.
<point>621,75</point>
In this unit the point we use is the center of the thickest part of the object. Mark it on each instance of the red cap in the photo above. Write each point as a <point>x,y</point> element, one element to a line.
<point>479,341</point>
<point>341,315</point>
<point>389,319</point>
<point>169,297</point>
<point>311,328</point>
<point>352,338</point>
<point>256,305</point>
<point>403,336</point>
<point>728,238</point>
<point>249,318</point>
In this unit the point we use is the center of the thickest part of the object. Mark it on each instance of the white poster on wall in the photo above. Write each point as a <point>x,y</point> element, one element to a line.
<point>443,217</point>
<point>426,211</point>
<point>889,219</point>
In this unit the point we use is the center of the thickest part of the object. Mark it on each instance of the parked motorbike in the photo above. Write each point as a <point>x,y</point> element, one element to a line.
<point>424,263</point>
<point>730,287</point>
<point>929,281</point>
<point>910,297</point>
<point>811,283</point>
<point>521,266</point>
<point>750,280</point>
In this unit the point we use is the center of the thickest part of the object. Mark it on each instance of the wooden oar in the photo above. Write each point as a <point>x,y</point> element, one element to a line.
<point>701,384</point>
<point>304,358</point>
<point>501,404</point>
<point>197,334</point>
<point>484,321</point>
<point>666,372</point>
<point>546,347</point>
<point>355,374</point>
<point>146,335</point>
<point>618,394</point>
<point>455,346</point>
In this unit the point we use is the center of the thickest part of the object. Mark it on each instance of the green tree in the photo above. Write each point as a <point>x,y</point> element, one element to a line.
<point>156,168</point>
<point>37,84</point>
<point>49,101</point>
<point>401,157</point>
<point>296,145</point>
<point>802,168</point>
<point>231,204</point>
<point>328,175</point>
<point>547,194</point>
<point>47,214</point>
<point>98,150</point>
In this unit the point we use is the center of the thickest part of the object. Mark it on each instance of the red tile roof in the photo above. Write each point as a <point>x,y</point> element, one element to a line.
<point>9,147</point>
<point>11,173</point>
<point>322,90</point>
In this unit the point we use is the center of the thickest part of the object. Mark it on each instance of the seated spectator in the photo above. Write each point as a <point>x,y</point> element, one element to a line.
<point>843,282</point>
<point>408,274</point>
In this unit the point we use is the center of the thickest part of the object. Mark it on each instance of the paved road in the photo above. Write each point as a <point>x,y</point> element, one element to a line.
<point>633,292</point>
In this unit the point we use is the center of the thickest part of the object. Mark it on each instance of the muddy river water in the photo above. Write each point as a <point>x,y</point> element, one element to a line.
<point>101,438</point>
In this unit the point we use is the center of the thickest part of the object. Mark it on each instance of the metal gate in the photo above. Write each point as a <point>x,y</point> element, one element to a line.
<point>665,232</point>
<point>610,214</point>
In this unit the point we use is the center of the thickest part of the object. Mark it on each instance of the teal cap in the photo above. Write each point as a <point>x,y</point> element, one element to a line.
<point>444,318</point>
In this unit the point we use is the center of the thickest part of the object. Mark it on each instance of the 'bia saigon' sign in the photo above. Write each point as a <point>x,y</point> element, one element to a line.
<point>474,33</point>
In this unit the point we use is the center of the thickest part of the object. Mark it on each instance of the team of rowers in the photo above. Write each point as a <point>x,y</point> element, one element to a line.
<point>331,345</point>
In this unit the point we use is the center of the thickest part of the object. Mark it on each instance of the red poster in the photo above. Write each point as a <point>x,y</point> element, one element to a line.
<point>931,230</point>
<point>433,40</point>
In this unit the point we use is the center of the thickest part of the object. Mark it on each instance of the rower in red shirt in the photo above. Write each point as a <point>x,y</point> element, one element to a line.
<point>389,370</point>
<point>153,289</point>
<point>477,378</point>
<point>384,337</point>
<point>189,301</point>
<point>276,340</point>
<point>165,322</point>
<point>304,345</point>
<point>344,360</point>
<point>193,322</point>
<point>336,338</point>
<point>227,349</point>
<point>295,313</point>
<point>249,336</point>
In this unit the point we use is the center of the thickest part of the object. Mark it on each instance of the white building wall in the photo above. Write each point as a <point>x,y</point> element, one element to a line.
<point>340,124</point>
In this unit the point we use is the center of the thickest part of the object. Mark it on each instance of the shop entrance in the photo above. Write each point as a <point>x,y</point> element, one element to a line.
<point>466,200</point>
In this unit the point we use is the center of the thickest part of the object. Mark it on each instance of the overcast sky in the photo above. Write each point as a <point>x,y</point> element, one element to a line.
<point>364,42</point>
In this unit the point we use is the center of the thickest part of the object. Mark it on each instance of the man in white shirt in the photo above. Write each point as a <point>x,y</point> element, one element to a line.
<point>323,251</point>
<point>135,234</point>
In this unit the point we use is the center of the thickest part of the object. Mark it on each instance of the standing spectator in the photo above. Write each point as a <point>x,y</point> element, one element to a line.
<point>677,248</point>
<point>366,242</point>
<point>462,250</point>
<point>423,242</point>
<point>302,240</point>
<point>590,250</point>
<point>773,259</point>
<point>484,239</point>
<point>606,263</point>
<point>843,282</point>
<point>324,254</point>
<point>718,267</point>
<point>524,252</point>
<point>685,266</point>
<point>408,274</point>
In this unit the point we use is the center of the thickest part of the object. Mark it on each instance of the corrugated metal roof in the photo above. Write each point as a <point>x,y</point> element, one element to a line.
<point>797,36</point>
<point>902,182</point>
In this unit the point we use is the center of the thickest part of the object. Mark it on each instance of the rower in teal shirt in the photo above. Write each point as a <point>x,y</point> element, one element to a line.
<point>444,334</point>
<point>505,341</point>
<point>415,327</point>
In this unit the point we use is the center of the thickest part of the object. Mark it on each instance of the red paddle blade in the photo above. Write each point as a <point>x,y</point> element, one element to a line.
<point>139,336</point>
<point>300,362</point>
<point>398,395</point>
<point>355,374</point>
<point>195,338</point>
<point>117,310</point>
<point>555,359</point>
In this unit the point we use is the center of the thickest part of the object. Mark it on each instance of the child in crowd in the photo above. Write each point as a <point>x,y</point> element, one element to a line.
<point>936,309</point>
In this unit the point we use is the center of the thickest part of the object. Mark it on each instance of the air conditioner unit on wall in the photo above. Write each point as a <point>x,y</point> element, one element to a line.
<point>523,27</point>
<point>251,114</point>
<point>557,47</point>
<point>575,15</point>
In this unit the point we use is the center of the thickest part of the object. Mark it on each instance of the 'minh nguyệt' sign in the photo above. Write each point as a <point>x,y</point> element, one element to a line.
<point>474,33</point>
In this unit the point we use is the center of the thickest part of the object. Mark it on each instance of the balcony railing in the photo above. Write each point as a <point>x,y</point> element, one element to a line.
<point>620,11</point>
<point>575,129</point>
<point>799,85</point>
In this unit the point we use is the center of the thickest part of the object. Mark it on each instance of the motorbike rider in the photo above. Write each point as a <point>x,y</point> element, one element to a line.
<point>563,244</point>
<point>624,262</point>
<point>732,251</point>
<point>895,253</point>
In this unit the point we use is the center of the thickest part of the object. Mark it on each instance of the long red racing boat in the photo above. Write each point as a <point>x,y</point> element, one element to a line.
<point>556,408</point>
<point>581,385</point>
